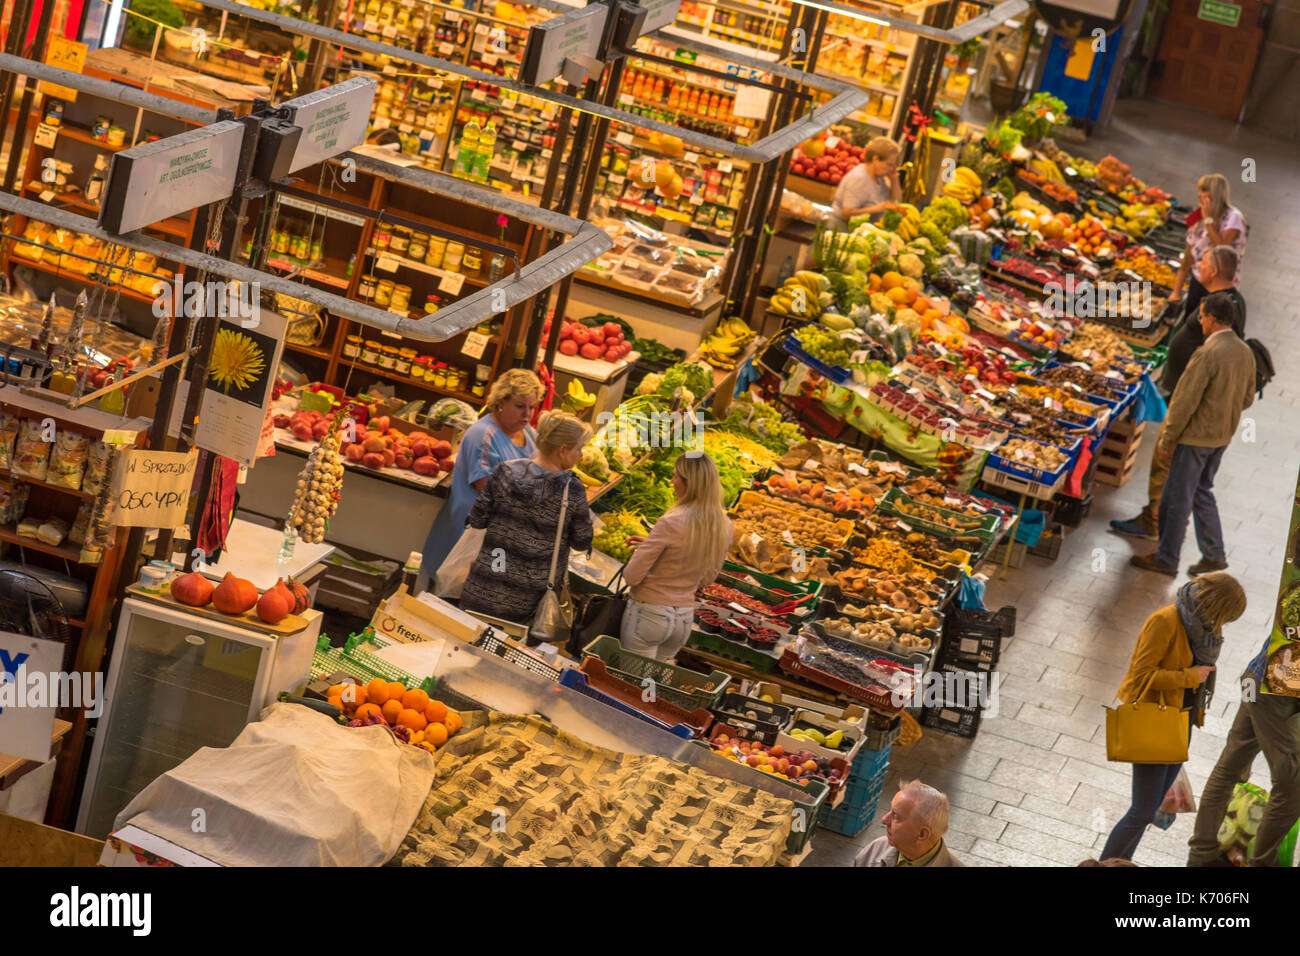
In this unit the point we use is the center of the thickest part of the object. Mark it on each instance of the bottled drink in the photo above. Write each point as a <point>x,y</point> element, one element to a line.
<point>487,147</point>
<point>467,150</point>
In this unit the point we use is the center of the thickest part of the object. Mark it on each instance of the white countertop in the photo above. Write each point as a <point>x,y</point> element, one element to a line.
<point>253,552</point>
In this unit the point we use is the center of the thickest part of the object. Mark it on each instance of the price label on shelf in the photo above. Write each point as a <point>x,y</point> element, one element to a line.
<point>451,17</point>
<point>724,166</point>
<point>446,49</point>
<point>743,132</point>
<point>626,99</point>
<point>692,158</point>
<point>46,195</point>
<point>386,263</point>
<point>451,283</point>
<point>371,26</point>
<point>382,122</point>
<point>46,135</point>
<point>408,3</point>
<point>697,199</point>
<point>623,138</point>
<point>491,59</point>
<point>389,32</point>
<point>388,334</point>
<point>617,178</point>
<point>390,70</point>
<point>508,100</point>
<point>475,344</point>
<point>481,29</point>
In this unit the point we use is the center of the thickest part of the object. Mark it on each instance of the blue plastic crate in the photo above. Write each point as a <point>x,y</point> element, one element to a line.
<point>867,763</point>
<point>849,823</point>
<point>1016,469</point>
<point>574,679</point>
<point>840,376</point>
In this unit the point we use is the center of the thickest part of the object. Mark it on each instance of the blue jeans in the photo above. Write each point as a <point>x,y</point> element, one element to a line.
<point>1188,491</point>
<point>1151,781</point>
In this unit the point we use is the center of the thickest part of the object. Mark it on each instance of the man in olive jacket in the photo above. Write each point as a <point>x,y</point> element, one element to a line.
<point>1217,386</point>
<point>914,829</point>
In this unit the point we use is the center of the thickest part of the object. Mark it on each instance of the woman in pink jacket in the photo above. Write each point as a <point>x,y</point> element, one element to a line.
<point>683,552</point>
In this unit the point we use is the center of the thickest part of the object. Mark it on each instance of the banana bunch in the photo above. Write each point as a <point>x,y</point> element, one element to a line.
<point>909,227</point>
<point>578,399</point>
<point>965,185</point>
<point>1047,169</point>
<point>728,339</point>
<point>804,294</point>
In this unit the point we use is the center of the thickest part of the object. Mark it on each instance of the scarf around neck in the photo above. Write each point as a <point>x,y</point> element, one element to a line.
<point>1205,645</point>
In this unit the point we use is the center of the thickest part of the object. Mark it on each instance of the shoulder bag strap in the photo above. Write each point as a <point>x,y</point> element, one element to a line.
<point>1145,687</point>
<point>559,534</point>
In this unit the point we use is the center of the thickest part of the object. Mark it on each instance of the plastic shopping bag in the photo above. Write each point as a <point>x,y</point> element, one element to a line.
<point>1180,798</point>
<point>450,579</point>
<point>1237,832</point>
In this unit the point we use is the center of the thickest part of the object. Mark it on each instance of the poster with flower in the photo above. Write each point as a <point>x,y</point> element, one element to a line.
<point>237,390</point>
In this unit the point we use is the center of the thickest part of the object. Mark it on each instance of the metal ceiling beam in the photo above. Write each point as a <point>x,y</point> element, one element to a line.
<point>968,30</point>
<point>845,97</point>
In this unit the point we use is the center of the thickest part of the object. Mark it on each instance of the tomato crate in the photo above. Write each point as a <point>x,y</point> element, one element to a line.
<point>677,685</point>
<point>877,693</point>
<point>594,680</point>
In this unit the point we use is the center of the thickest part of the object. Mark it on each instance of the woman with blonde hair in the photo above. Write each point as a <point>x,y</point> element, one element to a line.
<point>502,434</point>
<point>520,511</point>
<point>683,552</point>
<point>1173,664</point>
<point>1214,222</point>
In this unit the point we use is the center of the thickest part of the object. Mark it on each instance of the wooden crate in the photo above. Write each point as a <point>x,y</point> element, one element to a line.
<point>1117,455</point>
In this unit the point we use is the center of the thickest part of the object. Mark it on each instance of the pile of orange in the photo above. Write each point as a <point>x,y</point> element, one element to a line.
<point>1089,236</point>
<point>430,721</point>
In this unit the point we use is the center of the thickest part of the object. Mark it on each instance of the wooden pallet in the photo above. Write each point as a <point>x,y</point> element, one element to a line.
<point>1117,455</point>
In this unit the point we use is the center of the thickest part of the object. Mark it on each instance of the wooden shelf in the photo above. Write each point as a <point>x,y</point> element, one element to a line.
<point>7,475</point>
<point>68,552</point>
<point>407,380</point>
<point>180,228</point>
<point>308,350</point>
<point>285,265</point>
<point>83,136</point>
<point>79,276</point>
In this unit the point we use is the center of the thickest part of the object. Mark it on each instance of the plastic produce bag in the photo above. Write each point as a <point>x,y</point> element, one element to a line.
<point>451,575</point>
<point>970,593</point>
<point>294,789</point>
<point>1180,798</point>
<point>1149,406</point>
<point>1240,823</point>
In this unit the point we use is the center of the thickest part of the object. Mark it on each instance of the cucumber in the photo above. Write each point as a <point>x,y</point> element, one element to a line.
<point>323,706</point>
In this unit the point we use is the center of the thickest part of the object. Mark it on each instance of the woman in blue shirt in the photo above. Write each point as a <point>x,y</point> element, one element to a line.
<point>503,434</point>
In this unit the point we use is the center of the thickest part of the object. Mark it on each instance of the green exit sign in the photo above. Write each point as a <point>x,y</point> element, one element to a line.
<point>1226,13</point>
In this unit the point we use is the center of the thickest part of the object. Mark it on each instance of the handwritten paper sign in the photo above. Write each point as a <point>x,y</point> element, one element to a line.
<point>152,488</point>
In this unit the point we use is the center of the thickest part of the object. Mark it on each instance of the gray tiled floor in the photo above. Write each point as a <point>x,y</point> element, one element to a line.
<point>1034,788</point>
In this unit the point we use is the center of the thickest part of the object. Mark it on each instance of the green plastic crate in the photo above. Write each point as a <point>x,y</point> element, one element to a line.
<point>677,685</point>
<point>985,532</point>
<point>732,574</point>
<point>733,651</point>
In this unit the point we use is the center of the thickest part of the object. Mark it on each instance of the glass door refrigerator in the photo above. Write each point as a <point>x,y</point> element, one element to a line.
<point>178,682</point>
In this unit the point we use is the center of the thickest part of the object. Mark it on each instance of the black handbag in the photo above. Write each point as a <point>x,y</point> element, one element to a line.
<point>599,614</point>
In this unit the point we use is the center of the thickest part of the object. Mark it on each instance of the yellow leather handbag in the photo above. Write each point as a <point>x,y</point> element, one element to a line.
<point>1147,731</point>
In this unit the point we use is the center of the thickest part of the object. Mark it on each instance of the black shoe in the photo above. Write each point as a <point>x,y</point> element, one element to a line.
<point>1149,562</point>
<point>1205,566</point>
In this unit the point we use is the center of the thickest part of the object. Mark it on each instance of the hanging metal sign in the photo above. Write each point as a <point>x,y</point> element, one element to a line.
<point>570,36</point>
<point>333,120</point>
<point>155,181</point>
<point>1076,19</point>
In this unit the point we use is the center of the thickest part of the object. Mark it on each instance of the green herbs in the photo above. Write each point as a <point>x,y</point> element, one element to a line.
<point>1291,608</point>
<point>141,30</point>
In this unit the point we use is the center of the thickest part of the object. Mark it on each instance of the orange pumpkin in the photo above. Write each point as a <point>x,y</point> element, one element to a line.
<point>192,589</point>
<point>234,595</point>
<point>302,597</point>
<point>274,605</point>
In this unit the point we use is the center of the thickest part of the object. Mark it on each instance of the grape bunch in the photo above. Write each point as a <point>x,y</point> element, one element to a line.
<point>824,345</point>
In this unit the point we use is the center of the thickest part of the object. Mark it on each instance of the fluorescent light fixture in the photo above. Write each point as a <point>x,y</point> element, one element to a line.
<point>109,37</point>
<point>841,11</point>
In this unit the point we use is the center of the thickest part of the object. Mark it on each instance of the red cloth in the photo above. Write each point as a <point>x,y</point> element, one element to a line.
<point>1074,484</point>
<point>548,395</point>
<point>1193,217</point>
<point>218,508</point>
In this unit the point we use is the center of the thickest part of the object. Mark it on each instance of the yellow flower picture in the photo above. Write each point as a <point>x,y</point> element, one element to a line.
<point>236,360</point>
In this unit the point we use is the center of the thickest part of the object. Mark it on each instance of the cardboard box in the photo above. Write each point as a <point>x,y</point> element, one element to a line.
<point>850,719</point>
<point>827,726</point>
<point>28,843</point>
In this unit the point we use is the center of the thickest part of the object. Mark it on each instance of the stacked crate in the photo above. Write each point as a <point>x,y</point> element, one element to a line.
<point>861,794</point>
<point>972,644</point>
<point>1117,455</point>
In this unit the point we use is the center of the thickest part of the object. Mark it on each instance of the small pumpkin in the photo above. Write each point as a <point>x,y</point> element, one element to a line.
<point>274,604</point>
<point>192,589</point>
<point>302,597</point>
<point>234,595</point>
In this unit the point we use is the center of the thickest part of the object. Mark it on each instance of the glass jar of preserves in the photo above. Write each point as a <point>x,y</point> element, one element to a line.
<point>352,347</point>
<point>437,252</point>
<point>473,260</point>
<point>453,257</point>
<point>399,241</point>
<point>431,304</point>
<point>280,241</point>
<point>405,361</point>
<point>116,136</point>
<point>420,368</point>
<point>388,357</point>
<point>382,238</point>
<point>384,293</point>
<point>419,246</point>
<point>401,299</point>
<point>366,290</point>
<point>439,376</point>
<point>370,352</point>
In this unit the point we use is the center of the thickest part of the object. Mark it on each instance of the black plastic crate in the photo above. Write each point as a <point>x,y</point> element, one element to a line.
<point>1071,511</point>
<point>981,650</point>
<point>960,621</point>
<point>1049,543</point>
<point>959,721</point>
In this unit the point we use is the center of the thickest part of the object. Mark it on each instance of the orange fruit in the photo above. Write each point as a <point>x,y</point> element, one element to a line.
<point>395,690</point>
<point>377,691</point>
<point>453,721</point>
<point>891,280</point>
<point>367,709</point>
<point>391,709</point>
<point>911,295</point>
<point>352,694</point>
<point>435,711</point>
<point>411,718</point>
<point>873,282</point>
<point>435,734</point>
<point>920,303</point>
<point>897,295</point>
<point>336,700</point>
<point>415,700</point>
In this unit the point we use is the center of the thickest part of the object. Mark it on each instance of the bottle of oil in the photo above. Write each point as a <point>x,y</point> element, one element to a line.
<point>467,151</point>
<point>487,147</point>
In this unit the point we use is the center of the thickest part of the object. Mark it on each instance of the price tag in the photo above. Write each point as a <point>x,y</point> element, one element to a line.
<point>390,70</point>
<point>382,122</point>
<point>46,135</point>
<point>626,99</point>
<point>692,158</point>
<point>386,263</point>
<point>1075,387</point>
<point>739,607</point>
<point>623,138</point>
<point>742,131</point>
<point>697,200</point>
<point>408,4</point>
<point>983,394</point>
<point>446,49</point>
<point>904,525</point>
<point>46,195</point>
<point>491,59</point>
<point>724,166</point>
<point>858,469</point>
<point>388,334</point>
<point>812,464</point>
<point>475,343</point>
<point>371,26</point>
<point>519,145</point>
<point>451,283</point>
<point>405,128</point>
<point>617,178</point>
<point>509,101</point>
<point>389,31</point>
<point>450,17</point>
<point>481,29</point>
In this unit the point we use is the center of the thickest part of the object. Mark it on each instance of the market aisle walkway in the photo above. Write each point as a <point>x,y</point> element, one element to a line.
<point>1034,788</point>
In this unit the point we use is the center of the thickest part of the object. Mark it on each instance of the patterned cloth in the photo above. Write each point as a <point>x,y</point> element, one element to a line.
<point>520,511</point>
<point>518,791</point>
<point>1199,240</point>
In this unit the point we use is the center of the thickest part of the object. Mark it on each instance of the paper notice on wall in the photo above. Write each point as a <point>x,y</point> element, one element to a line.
<point>237,392</point>
<point>151,489</point>
<point>751,102</point>
<point>66,55</point>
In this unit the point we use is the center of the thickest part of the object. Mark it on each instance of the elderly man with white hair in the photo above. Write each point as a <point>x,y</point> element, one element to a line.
<point>914,829</point>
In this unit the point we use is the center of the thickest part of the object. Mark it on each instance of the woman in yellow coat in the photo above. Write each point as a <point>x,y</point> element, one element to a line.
<point>1174,661</point>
